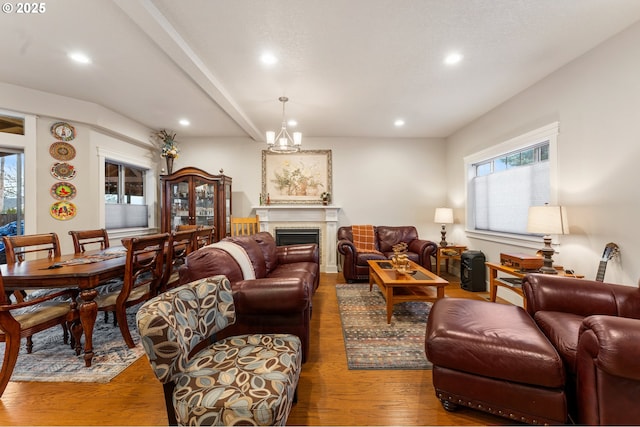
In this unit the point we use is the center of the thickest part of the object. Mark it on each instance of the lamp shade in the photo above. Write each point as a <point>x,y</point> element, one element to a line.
<point>547,220</point>
<point>443,216</point>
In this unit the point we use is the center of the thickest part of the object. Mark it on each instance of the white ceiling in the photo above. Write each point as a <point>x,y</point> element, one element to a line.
<point>349,67</point>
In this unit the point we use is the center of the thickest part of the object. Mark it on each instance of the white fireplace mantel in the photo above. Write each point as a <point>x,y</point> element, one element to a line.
<point>321,216</point>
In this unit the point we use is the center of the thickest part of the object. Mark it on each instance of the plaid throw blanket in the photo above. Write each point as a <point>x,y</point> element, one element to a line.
<point>364,238</point>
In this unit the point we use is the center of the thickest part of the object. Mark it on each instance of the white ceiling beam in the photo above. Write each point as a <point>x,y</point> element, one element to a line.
<point>150,20</point>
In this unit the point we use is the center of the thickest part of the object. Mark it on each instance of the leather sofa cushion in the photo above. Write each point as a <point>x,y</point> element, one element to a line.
<point>254,252</point>
<point>268,246</point>
<point>206,262</point>
<point>389,236</point>
<point>563,330</point>
<point>493,340</point>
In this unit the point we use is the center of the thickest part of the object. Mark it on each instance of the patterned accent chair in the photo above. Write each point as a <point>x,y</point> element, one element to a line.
<point>245,379</point>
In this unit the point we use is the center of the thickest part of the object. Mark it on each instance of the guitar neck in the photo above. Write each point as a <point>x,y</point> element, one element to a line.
<point>601,270</point>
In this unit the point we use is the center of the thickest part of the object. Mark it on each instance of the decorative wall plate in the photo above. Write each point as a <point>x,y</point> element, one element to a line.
<point>63,210</point>
<point>63,171</point>
<point>63,131</point>
<point>63,191</point>
<point>62,151</point>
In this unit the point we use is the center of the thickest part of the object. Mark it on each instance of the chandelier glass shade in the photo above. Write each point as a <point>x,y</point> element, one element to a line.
<point>283,142</point>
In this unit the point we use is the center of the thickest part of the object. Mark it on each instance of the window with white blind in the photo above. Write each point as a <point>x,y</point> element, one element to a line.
<point>505,180</point>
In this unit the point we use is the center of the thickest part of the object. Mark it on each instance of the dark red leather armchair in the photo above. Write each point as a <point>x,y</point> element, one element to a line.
<point>355,266</point>
<point>595,327</point>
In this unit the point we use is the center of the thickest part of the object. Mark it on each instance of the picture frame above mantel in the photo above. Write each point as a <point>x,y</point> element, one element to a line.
<point>296,178</point>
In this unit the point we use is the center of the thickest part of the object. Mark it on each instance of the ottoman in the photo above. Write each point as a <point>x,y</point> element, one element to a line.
<point>492,357</point>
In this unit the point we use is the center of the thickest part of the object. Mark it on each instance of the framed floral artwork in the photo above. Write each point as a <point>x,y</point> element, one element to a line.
<point>296,178</point>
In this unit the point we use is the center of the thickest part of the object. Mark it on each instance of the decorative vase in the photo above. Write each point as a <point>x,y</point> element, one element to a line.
<point>169,165</point>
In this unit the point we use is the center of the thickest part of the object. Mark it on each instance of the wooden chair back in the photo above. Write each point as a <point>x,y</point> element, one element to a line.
<point>184,227</point>
<point>94,239</point>
<point>203,236</point>
<point>181,244</point>
<point>18,247</point>
<point>245,226</point>
<point>143,277</point>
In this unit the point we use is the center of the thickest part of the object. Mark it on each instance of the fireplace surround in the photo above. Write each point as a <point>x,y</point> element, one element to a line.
<point>305,217</point>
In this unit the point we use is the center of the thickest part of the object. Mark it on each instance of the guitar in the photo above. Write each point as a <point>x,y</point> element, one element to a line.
<point>610,251</point>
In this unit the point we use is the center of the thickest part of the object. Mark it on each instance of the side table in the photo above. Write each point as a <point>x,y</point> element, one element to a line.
<point>446,253</point>
<point>514,285</point>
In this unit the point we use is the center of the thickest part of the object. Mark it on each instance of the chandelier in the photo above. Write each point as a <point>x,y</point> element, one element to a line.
<point>283,142</point>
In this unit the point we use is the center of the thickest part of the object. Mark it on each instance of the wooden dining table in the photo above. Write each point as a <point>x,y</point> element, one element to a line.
<point>82,271</point>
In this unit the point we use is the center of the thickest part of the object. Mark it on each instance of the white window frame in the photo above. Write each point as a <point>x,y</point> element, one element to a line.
<point>546,133</point>
<point>150,184</point>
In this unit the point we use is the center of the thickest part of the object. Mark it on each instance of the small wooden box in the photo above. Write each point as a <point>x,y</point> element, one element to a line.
<point>521,261</point>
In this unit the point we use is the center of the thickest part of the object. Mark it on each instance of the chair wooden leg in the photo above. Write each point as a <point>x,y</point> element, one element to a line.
<point>76,334</point>
<point>29,345</point>
<point>65,334</point>
<point>121,315</point>
<point>11,350</point>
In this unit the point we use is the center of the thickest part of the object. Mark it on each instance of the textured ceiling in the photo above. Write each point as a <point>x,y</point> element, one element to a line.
<point>350,68</point>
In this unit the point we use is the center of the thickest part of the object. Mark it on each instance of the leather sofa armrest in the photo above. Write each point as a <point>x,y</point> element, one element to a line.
<point>307,252</point>
<point>266,296</point>
<point>346,247</point>
<point>612,344</point>
<point>544,292</point>
<point>425,249</point>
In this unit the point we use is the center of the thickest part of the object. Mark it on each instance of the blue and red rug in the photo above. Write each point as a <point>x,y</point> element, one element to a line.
<point>369,341</point>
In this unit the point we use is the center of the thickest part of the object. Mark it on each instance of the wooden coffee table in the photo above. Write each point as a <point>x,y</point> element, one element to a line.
<point>398,287</point>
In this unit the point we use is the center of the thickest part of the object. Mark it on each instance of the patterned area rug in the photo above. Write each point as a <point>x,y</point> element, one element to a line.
<point>369,341</point>
<point>54,361</point>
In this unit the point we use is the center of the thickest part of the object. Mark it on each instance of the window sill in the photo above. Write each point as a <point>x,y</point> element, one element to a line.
<point>523,241</point>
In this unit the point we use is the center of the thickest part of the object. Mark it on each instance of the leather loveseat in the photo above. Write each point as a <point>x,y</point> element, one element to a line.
<point>277,295</point>
<point>355,266</point>
<point>571,356</point>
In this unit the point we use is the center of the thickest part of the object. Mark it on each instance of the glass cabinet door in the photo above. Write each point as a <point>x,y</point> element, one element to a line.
<point>204,192</point>
<point>179,191</point>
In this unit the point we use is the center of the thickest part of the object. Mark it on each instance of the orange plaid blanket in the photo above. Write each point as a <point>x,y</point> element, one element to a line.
<point>364,238</point>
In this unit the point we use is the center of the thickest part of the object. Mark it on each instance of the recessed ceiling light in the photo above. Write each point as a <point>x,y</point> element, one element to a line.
<point>184,122</point>
<point>453,58</point>
<point>80,57</point>
<point>398,123</point>
<point>292,122</point>
<point>268,58</point>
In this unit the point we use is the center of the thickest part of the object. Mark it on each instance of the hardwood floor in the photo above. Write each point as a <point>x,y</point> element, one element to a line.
<point>328,393</point>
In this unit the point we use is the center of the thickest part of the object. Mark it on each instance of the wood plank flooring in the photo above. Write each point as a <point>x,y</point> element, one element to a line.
<point>328,393</point>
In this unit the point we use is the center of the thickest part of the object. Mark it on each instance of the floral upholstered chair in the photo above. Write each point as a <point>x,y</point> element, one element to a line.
<point>246,379</point>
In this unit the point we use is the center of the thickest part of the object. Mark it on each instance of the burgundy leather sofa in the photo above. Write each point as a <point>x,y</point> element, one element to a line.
<point>572,356</point>
<point>279,299</point>
<point>355,267</point>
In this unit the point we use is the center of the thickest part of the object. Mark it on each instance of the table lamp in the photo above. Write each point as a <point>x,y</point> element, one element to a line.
<point>547,220</point>
<point>443,216</point>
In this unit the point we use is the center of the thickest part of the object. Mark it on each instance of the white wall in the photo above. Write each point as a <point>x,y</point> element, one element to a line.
<point>596,100</point>
<point>375,181</point>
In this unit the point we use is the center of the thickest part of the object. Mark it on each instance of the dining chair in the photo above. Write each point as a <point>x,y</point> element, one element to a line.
<point>181,244</point>
<point>144,272</point>
<point>17,249</point>
<point>245,226</point>
<point>94,239</point>
<point>25,318</point>
<point>203,236</point>
<point>84,240</point>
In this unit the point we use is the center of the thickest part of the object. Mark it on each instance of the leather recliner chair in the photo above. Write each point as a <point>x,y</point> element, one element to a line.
<point>355,267</point>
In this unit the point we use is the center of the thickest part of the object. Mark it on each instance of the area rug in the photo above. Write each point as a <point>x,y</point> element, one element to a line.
<point>54,361</point>
<point>369,341</point>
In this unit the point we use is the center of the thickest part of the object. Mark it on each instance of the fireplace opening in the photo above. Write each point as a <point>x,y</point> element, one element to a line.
<point>296,236</point>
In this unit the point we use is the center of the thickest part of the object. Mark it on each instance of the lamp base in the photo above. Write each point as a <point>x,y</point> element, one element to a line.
<point>547,253</point>
<point>443,234</point>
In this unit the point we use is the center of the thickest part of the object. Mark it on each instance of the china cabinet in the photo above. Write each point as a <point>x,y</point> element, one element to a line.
<point>193,196</point>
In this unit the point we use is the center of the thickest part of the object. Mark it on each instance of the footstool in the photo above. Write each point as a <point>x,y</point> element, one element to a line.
<point>492,357</point>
